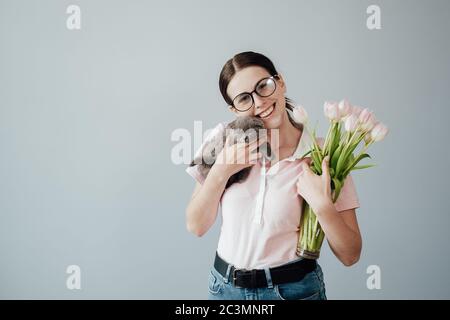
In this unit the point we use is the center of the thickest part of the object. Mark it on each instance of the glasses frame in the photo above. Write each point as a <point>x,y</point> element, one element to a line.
<point>274,77</point>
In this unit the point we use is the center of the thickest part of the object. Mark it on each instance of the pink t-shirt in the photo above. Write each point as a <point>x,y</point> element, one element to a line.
<point>261,216</point>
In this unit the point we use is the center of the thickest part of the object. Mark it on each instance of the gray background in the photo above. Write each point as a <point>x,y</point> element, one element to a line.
<point>86,118</point>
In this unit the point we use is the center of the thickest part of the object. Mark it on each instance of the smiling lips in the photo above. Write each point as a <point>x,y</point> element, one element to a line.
<point>268,112</point>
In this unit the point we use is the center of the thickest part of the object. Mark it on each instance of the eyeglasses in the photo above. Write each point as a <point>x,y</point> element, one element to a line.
<point>263,88</point>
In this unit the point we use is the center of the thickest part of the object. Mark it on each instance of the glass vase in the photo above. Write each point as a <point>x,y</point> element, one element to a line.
<point>311,234</point>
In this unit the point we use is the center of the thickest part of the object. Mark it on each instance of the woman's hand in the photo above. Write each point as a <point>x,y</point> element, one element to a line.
<point>341,230</point>
<point>316,190</point>
<point>234,158</point>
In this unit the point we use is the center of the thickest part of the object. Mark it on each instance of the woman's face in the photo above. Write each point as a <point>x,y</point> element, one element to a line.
<point>270,109</point>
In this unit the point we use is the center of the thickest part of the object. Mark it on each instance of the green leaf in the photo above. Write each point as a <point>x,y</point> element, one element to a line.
<point>329,142</point>
<point>334,158</point>
<point>362,156</point>
<point>316,161</point>
<point>351,158</point>
<point>327,139</point>
<point>336,138</point>
<point>331,172</point>
<point>354,163</point>
<point>337,188</point>
<point>306,153</point>
<point>343,163</point>
<point>363,166</point>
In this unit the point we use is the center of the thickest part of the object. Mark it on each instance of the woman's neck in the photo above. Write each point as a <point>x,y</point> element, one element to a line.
<point>288,135</point>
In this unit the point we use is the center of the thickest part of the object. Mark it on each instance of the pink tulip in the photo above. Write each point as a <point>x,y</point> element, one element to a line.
<point>366,119</point>
<point>299,114</point>
<point>367,138</point>
<point>331,110</point>
<point>356,110</point>
<point>351,122</point>
<point>344,108</point>
<point>379,132</point>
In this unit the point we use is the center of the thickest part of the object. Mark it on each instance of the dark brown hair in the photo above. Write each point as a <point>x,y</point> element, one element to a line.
<point>247,59</point>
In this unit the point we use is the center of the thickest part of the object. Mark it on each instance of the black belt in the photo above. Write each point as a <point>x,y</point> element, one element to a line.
<point>256,278</point>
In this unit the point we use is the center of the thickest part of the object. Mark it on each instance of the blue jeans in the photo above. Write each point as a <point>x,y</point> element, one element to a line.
<point>311,287</point>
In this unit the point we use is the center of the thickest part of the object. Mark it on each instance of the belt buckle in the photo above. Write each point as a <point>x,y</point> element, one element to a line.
<point>234,275</point>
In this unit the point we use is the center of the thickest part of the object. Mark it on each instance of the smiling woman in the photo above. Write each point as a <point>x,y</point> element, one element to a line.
<point>256,254</point>
<point>263,92</point>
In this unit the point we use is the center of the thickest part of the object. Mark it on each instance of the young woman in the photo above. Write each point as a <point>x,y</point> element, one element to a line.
<point>256,254</point>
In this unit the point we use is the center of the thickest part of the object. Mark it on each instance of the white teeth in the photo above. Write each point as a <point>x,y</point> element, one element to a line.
<point>267,112</point>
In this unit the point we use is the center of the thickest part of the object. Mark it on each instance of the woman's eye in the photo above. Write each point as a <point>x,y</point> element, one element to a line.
<point>243,99</point>
<point>262,86</point>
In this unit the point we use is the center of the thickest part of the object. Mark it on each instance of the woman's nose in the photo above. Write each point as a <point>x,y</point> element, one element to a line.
<point>259,101</point>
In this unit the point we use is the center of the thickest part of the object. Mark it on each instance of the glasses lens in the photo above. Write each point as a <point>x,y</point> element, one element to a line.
<point>243,102</point>
<point>266,87</point>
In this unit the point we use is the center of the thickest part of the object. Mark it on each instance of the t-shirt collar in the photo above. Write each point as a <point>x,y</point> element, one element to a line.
<point>302,148</point>
<point>304,145</point>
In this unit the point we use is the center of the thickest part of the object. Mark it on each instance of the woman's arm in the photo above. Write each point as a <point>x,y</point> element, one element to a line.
<point>341,228</point>
<point>342,232</point>
<point>201,211</point>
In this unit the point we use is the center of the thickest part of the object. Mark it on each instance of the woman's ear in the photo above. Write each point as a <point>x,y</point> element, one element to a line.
<point>281,82</point>
<point>232,109</point>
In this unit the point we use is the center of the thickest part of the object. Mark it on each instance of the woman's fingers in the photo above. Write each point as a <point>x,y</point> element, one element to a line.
<point>305,166</point>
<point>257,143</point>
<point>247,153</point>
<point>244,152</point>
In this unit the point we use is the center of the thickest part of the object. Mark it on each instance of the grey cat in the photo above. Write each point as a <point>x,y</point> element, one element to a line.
<point>243,129</point>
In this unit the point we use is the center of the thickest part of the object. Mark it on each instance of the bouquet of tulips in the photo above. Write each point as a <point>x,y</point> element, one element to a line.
<point>350,126</point>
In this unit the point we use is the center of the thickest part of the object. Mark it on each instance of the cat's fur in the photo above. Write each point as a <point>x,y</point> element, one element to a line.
<point>212,148</point>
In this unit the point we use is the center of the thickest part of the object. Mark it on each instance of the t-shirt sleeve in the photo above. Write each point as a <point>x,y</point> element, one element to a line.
<point>348,198</point>
<point>194,171</point>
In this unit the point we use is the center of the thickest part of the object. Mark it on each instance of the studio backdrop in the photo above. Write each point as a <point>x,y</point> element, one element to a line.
<point>92,198</point>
